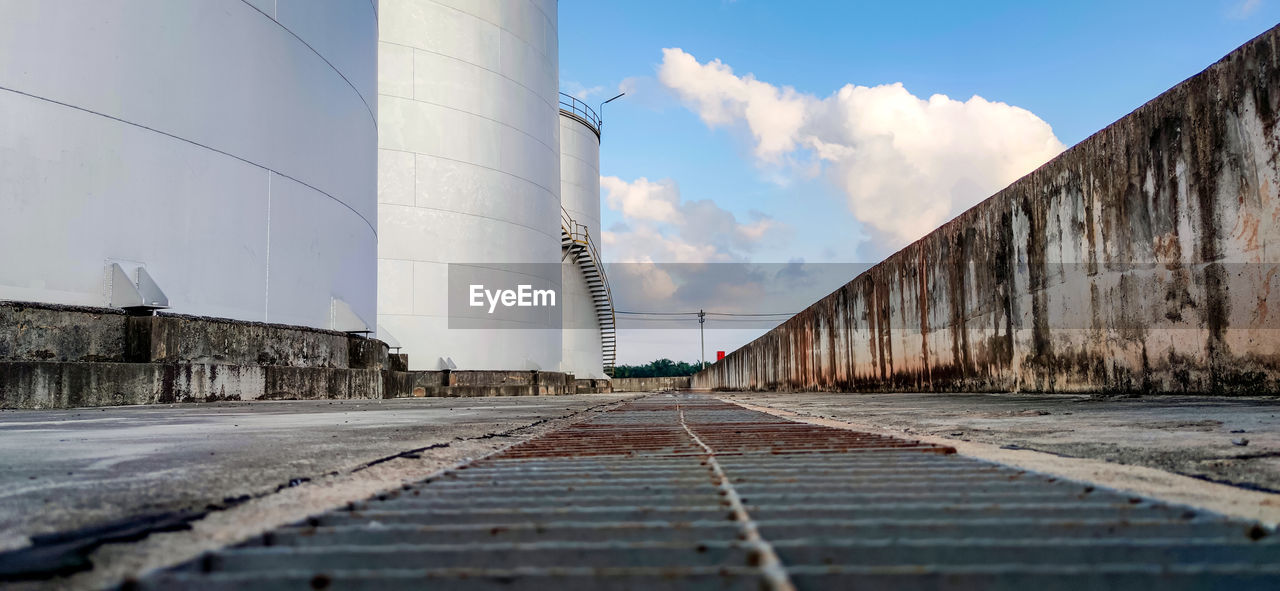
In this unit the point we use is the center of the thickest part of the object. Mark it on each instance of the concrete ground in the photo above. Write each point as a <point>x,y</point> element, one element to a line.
<point>1186,435</point>
<point>71,469</point>
<point>261,465</point>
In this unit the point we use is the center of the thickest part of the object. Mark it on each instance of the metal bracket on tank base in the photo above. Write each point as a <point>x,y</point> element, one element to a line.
<point>392,342</point>
<point>140,298</point>
<point>343,319</point>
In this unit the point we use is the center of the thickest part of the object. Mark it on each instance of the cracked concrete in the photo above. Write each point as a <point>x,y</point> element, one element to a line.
<point>70,469</point>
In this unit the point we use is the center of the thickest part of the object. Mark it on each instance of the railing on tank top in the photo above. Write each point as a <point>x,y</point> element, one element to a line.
<point>571,106</point>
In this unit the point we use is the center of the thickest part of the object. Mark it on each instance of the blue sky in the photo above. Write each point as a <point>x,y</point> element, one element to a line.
<point>1076,66</point>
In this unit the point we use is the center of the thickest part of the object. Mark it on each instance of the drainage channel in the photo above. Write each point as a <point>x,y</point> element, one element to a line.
<point>682,491</point>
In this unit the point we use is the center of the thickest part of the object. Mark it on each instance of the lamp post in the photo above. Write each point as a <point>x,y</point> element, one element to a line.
<point>600,110</point>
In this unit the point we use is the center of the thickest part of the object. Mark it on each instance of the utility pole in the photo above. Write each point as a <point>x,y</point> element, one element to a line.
<point>702,319</point>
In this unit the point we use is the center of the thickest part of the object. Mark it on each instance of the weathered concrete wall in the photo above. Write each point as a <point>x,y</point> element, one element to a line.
<point>192,339</point>
<point>61,357</point>
<point>650,384</point>
<point>593,386</point>
<point>45,332</point>
<point>444,384</point>
<point>53,384</point>
<point>1140,260</point>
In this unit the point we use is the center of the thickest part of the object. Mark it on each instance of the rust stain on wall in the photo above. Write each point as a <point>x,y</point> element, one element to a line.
<point>1140,260</point>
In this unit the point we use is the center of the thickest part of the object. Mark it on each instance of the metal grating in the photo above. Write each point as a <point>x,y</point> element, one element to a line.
<point>687,492</point>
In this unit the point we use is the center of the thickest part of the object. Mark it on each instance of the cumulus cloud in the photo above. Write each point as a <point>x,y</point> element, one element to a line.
<point>579,91</point>
<point>906,164</point>
<point>642,199</point>
<point>662,226</point>
<point>774,115</point>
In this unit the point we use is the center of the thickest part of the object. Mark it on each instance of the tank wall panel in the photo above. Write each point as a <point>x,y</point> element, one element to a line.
<point>580,196</point>
<point>150,132</point>
<point>468,169</point>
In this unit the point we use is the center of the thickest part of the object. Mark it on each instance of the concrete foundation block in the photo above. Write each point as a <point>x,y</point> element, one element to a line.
<point>650,384</point>
<point>50,384</point>
<point>455,384</point>
<point>312,383</point>
<point>212,382</point>
<point>192,339</point>
<point>45,332</point>
<point>365,353</point>
<point>587,386</point>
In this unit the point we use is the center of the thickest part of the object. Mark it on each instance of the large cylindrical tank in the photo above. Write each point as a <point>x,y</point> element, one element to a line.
<point>468,173</point>
<point>225,147</point>
<point>580,196</point>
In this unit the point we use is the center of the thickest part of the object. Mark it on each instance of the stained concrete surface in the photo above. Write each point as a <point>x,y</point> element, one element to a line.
<point>1141,260</point>
<point>1187,435</point>
<point>69,469</point>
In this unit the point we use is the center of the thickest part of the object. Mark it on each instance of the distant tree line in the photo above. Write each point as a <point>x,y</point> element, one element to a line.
<point>662,368</point>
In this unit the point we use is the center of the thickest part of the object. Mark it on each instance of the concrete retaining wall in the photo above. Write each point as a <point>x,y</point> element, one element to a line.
<point>218,341</point>
<point>61,357</point>
<point>650,384</point>
<point>51,384</point>
<point>42,332</point>
<point>55,356</point>
<point>593,386</point>
<point>418,384</point>
<point>1140,260</point>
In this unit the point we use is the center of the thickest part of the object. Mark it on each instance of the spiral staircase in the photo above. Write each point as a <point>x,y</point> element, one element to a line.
<point>576,242</point>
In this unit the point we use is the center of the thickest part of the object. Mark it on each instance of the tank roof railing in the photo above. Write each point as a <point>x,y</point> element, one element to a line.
<point>576,109</point>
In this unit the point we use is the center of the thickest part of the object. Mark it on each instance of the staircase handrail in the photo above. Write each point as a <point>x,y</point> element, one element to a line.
<point>581,234</point>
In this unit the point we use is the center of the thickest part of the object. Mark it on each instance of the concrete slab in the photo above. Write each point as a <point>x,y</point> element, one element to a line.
<point>1189,435</point>
<point>69,469</point>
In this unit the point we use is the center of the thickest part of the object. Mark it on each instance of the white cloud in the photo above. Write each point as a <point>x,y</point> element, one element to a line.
<point>774,115</point>
<point>661,226</point>
<point>906,164</point>
<point>1244,9</point>
<point>578,91</point>
<point>641,199</point>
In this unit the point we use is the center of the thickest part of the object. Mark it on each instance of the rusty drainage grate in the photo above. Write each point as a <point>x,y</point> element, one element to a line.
<point>681,491</point>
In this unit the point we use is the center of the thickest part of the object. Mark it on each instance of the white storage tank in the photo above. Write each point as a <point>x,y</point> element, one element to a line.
<point>580,197</point>
<point>226,148</point>
<point>468,173</point>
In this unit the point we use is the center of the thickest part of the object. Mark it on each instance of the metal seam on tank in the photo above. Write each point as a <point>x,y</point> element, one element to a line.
<point>472,265</point>
<point>556,235</point>
<point>266,284</point>
<point>198,144</point>
<point>550,105</point>
<point>474,114</point>
<point>545,56</point>
<point>323,58</point>
<point>551,193</point>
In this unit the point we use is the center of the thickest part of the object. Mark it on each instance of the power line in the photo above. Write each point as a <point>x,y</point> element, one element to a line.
<point>661,319</point>
<point>691,319</point>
